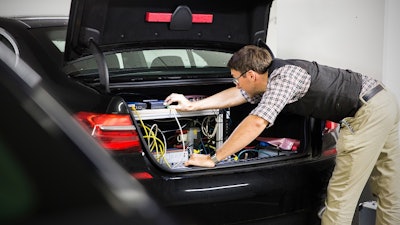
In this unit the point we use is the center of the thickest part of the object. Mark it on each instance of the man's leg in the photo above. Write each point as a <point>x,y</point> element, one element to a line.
<point>385,180</point>
<point>358,150</point>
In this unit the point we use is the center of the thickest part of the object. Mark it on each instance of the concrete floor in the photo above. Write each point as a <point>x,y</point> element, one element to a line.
<point>365,196</point>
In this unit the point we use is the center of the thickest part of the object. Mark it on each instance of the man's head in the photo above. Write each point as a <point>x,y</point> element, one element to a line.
<point>250,57</point>
<point>249,69</point>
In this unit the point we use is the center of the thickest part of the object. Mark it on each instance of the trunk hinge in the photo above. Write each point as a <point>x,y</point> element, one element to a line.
<point>101,64</point>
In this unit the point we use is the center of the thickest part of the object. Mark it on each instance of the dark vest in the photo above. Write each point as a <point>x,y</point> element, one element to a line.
<point>333,93</point>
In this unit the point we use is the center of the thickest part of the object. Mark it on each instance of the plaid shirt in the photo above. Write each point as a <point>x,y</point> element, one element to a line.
<point>286,85</point>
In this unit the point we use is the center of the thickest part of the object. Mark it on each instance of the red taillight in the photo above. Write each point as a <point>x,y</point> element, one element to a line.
<point>156,17</point>
<point>329,152</point>
<point>142,175</point>
<point>330,126</point>
<point>114,131</point>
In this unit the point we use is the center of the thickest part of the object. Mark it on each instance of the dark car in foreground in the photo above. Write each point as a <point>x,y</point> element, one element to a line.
<point>52,171</point>
<point>112,63</point>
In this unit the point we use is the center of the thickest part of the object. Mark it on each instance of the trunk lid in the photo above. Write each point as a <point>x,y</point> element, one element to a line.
<point>114,25</point>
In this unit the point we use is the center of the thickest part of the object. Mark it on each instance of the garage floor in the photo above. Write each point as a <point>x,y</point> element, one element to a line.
<point>366,196</point>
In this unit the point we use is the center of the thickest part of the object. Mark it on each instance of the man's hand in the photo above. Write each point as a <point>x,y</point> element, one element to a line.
<point>183,103</point>
<point>200,160</point>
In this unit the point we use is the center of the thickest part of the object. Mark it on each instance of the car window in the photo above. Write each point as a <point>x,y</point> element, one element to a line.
<point>57,37</point>
<point>154,59</point>
<point>145,59</point>
<point>166,57</point>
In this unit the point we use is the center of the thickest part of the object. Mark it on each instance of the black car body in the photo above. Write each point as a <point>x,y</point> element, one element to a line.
<point>52,171</point>
<point>122,58</point>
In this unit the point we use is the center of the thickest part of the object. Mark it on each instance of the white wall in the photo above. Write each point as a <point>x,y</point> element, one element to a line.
<point>361,35</point>
<point>12,8</point>
<point>391,46</point>
<point>340,33</point>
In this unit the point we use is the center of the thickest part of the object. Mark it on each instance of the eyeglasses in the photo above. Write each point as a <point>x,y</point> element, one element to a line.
<point>236,80</point>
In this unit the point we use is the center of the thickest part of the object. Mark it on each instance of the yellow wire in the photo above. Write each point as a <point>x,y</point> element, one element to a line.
<point>152,140</point>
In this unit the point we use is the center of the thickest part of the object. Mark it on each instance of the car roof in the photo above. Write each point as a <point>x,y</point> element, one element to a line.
<point>120,24</point>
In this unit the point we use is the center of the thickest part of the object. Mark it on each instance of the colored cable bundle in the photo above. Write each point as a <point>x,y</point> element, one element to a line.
<point>153,142</point>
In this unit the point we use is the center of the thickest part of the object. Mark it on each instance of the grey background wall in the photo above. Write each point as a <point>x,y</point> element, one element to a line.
<point>362,35</point>
<point>34,7</point>
<point>344,35</point>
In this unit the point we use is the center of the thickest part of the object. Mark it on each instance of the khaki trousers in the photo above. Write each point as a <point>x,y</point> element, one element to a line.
<point>370,149</point>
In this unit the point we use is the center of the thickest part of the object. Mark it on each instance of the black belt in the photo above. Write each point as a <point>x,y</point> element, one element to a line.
<point>371,93</point>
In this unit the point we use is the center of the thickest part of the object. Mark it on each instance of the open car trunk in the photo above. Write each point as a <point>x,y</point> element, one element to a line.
<point>171,136</point>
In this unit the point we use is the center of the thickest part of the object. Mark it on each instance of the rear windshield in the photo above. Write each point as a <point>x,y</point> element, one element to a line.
<point>142,61</point>
<point>153,60</point>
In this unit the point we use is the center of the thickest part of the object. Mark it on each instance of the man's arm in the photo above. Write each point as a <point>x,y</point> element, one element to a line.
<point>248,130</point>
<point>224,99</point>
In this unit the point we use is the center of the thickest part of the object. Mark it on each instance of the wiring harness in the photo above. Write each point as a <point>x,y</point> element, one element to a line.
<point>162,147</point>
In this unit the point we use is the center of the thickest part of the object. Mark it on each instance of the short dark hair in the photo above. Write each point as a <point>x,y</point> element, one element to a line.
<point>250,57</point>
